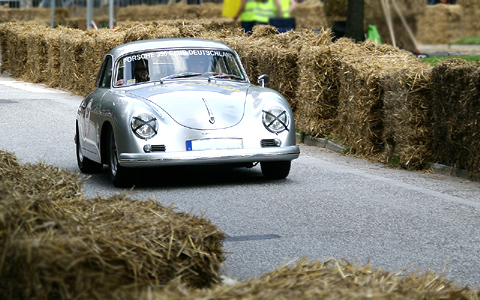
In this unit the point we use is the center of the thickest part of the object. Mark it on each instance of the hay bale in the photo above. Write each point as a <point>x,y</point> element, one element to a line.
<point>374,15</point>
<point>407,119</point>
<point>328,279</point>
<point>440,24</point>
<point>53,51</point>
<point>137,31</point>
<point>95,49</point>
<point>37,55</point>
<point>456,114</point>
<point>58,245</point>
<point>71,55</point>
<point>310,14</point>
<point>359,68</point>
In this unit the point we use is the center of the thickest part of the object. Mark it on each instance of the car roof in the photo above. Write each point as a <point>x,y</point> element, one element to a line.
<point>168,43</point>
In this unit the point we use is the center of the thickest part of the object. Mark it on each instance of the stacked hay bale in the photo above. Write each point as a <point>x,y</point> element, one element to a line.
<point>169,11</point>
<point>360,71</point>
<point>374,15</point>
<point>470,21</point>
<point>310,14</point>
<point>33,14</point>
<point>329,279</point>
<point>456,114</point>
<point>57,245</point>
<point>407,104</point>
<point>440,24</point>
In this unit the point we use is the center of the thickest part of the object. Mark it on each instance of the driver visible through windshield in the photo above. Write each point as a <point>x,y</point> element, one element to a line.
<point>174,64</point>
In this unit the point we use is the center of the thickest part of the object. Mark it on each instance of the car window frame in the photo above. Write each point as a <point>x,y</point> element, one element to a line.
<point>104,80</point>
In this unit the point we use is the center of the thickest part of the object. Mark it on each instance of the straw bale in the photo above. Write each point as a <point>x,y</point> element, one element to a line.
<point>440,24</point>
<point>268,52</point>
<point>15,47</point>
<point>328,279</point>
<point>310,14</point>
<point>137,31</point>
<point>170,11</point>
<point>407,119</point>
<point>359,68</point>
<point>374,15</point>
<point>53,51</point>
<point>30,14</point>
<point>95,49</point>
<point>471,17</point>
<point>58,245</point>
<point>456,114</point>
<point>37,56</point>
<point>317,99</point>
<point>71,58</point>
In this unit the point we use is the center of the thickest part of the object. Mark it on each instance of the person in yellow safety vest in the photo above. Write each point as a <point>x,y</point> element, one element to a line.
<point>246,14</point>
<point>267,9</point>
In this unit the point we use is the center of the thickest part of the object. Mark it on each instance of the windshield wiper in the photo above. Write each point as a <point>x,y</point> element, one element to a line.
<point>227,76</point>
<point>180,75</point>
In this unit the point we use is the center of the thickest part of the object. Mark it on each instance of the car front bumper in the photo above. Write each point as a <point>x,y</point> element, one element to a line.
<point>157,159</point>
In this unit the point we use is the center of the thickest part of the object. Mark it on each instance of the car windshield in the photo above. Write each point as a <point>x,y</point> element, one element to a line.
<point>173,64</point>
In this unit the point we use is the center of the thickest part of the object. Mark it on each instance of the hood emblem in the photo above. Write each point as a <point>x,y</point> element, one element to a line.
<point>211,118</point>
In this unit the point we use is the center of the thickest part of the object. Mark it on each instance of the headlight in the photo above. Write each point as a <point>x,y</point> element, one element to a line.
<point>145,126</point>
<point>275,119</point>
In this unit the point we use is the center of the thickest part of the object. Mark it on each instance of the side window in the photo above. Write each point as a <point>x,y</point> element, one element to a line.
<point>105,76</point>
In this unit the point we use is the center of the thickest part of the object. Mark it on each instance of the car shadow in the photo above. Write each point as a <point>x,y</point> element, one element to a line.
<point>189,176</point>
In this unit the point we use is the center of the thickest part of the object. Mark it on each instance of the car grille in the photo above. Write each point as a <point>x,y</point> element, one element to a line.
<point>268,143</point>
<point>158,148</point>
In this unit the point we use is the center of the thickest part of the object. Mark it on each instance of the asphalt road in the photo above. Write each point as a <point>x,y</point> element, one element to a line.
<point>330,205</point>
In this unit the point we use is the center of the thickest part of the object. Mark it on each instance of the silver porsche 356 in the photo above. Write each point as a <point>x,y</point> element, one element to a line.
<point>169,102</point>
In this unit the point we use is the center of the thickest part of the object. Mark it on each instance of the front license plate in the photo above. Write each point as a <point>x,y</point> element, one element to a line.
<point>214,144</point>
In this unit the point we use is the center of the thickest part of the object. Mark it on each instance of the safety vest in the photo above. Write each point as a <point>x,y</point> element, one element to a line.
<point>265,10</point>
<point>285,8</point>
<point>248,14</point>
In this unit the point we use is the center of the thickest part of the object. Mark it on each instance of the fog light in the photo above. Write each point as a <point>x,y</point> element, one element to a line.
<point>147,148</point>
<point>278,142</point>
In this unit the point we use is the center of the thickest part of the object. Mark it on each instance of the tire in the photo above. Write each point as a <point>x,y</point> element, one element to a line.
<point>120,176</point>
<point>86,165</point>
<point>275,169</point>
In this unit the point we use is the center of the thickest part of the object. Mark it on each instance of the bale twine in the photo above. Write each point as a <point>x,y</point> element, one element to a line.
<point>456,114</point>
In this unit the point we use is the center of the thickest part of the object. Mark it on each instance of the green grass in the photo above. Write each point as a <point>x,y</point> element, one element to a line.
<point>467,40</point>
<point>433,60</point>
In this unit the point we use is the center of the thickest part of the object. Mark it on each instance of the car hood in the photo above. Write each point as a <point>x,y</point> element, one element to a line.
<point>199,105</point>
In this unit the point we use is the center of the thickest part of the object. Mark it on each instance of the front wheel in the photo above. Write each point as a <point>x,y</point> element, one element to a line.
<point>119,175</point>
<point>275,169</point>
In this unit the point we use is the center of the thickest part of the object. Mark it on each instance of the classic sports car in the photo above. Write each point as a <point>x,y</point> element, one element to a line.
<point>179,101</point>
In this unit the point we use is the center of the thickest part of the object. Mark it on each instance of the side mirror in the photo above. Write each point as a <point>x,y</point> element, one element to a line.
<point>263,79</point>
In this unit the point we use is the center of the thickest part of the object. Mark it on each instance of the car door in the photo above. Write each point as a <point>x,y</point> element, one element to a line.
<point>91,112</point>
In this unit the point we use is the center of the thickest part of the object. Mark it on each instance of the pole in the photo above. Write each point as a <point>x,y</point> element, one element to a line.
<point>110,14</point>
<point>89,13</point>
<point>52,20</point>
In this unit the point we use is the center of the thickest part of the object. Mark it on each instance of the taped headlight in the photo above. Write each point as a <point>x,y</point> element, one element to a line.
<point>275,119</point>
<point>145,126</point>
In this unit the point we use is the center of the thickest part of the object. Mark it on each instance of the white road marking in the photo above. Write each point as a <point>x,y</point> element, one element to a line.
<point>30,87</point>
